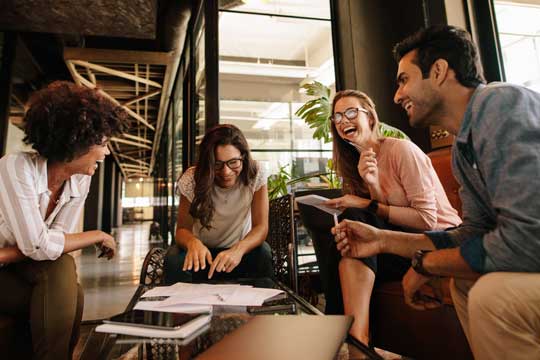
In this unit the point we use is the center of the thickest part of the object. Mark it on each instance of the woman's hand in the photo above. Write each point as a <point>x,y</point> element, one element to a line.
<point>367,167</point>
<point>197,256</point>
<point>347,201</point>
<point>226,261</point>
<point>107,245</point>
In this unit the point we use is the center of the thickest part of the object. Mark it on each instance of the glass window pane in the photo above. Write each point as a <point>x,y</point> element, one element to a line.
<point>519,35</point>
<point>263,62</point>
<point>266,125</point>
<point>200,88</point>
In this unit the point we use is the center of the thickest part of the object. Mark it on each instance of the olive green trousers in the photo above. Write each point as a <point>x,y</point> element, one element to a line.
<point>45,294</point>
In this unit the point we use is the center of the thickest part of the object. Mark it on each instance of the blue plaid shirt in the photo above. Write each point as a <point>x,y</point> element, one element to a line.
<point>496,160</point>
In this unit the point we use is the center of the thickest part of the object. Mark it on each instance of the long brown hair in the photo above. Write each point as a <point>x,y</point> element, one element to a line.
<point>202,207</point>
<point>345,156</point>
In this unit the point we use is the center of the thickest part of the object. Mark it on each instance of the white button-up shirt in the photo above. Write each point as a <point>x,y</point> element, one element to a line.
<point>24,198</point>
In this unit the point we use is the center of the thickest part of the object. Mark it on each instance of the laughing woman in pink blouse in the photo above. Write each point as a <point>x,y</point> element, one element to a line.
<point>41,199</point>
<point>391,178</point>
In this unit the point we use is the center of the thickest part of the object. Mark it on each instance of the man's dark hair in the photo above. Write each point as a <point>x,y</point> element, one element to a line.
<point>444,42</point>
<point>64,120</point>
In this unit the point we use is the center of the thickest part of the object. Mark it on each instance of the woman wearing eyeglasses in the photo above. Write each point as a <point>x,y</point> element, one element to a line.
<point>223,214</point>
<point>386,177</point>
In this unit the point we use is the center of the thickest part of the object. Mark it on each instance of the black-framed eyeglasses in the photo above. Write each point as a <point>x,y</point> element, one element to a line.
<point>350,113</point>
<point>233,164</point>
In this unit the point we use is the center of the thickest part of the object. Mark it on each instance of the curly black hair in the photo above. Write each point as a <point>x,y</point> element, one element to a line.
<point>64,120</point>
<point>446,42</point>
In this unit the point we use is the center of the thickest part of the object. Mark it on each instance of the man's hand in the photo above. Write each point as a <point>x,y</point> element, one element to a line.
<point>226,261</point>
<point>356,239</point>
<point>347,201</point>
<point>197,255</point>
<point>107,246</point>
<point>412,282</point>
<point>367,167</point>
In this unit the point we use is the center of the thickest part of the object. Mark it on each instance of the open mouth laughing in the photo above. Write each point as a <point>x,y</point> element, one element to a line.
<point>349,130</point>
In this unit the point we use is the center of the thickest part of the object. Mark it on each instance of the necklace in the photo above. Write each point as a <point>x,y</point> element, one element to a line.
<point>226,193</point>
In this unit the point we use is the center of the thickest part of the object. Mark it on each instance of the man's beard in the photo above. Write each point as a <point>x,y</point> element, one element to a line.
<point>432,113</point>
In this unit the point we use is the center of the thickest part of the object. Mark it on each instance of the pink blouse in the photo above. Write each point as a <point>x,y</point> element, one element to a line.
<point>415,196</point>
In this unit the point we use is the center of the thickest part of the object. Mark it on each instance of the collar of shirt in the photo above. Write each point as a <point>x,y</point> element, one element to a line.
<point>72,188</point>
<point>465,129</point>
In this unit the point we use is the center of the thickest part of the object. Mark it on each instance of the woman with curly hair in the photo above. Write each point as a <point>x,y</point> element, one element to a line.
<point>223,214</point>
<point>42,198</point>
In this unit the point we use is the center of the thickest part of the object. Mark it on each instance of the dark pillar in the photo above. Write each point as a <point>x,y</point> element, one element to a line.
<point>8,42</point>
<point>488,41</point>
<point>211,49</point>
<point>116,195</point>
<point>119,187</point>
<point>367,33</point>
<point>94,202</point>
<point>108,191</point>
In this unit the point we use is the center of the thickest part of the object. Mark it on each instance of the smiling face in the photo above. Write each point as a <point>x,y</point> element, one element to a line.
<point>358,130</point>
<point>87,164</point>
<point>415,94</point>
<point>226,177</point>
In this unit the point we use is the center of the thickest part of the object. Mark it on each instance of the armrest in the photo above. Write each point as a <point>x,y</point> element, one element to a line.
<point>152,268</point>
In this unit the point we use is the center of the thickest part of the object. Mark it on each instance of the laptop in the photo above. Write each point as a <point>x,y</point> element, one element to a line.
<point>314,337</point>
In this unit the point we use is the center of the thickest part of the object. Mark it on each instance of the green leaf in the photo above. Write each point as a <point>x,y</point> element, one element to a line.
<point>316,112</point>
<point>390,131</point>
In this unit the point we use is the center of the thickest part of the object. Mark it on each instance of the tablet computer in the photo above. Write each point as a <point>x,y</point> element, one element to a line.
<point>154,319</point>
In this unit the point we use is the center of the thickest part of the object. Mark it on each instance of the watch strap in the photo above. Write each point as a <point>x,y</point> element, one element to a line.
<point>418,262</point>
<point>373,207</point>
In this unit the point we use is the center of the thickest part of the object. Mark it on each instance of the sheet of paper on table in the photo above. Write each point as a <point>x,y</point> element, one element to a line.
<point>180,308</point>
<point>208,294</point>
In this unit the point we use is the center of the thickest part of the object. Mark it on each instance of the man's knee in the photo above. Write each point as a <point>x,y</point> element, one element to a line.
<point>486,296</point>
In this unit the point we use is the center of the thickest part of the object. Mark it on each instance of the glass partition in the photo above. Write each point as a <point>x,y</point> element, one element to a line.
<point>266,52</point>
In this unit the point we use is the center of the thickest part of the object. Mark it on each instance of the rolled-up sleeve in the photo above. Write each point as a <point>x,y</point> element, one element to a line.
<point>19,204</point>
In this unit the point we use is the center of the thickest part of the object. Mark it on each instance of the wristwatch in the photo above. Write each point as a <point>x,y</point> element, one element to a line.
<point>417,262</point>
<point>373,207</point>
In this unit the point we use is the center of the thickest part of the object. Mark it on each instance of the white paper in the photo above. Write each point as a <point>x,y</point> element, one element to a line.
<point>180,308</point>
<point>181,289</point>
<point>317,201</point>
<point>183,332</point>
<point>207,294</point>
